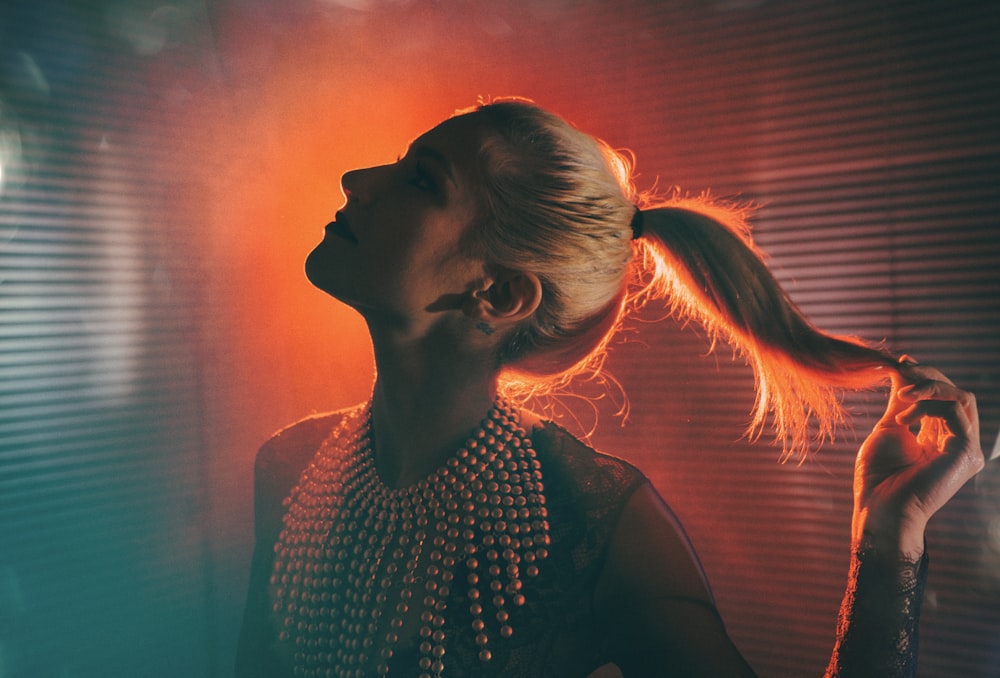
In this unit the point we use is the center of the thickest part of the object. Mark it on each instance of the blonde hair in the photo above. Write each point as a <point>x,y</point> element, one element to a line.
<point>555,205</point>
<point>560,204</point>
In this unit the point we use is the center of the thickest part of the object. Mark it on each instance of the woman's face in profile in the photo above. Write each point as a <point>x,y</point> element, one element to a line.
<point>394,248</point>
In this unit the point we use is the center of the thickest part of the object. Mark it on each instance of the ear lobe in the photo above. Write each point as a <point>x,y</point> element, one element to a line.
<point>511,296</point>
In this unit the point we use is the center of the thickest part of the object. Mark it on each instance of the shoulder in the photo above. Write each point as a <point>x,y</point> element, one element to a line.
<point>280,462</point>
<point>291,447</point>
<point>646,537</point>
<point>586,493</point>
<point>571,467</point>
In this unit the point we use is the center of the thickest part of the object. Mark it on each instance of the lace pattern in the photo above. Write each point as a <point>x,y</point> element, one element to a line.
<point>557,633</point>
<point>877,634</point>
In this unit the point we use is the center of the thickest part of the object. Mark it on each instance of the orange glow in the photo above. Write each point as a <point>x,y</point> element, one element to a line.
<point>271,184</point>
<point>268,142</point>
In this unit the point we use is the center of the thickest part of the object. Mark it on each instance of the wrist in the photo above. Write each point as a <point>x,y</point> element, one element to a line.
<point>888,538</point>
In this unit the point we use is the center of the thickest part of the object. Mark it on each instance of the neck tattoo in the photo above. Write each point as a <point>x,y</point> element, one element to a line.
<point>353,552</point>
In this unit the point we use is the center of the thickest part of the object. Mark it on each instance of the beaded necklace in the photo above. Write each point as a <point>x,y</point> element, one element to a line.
<point>347,559</point>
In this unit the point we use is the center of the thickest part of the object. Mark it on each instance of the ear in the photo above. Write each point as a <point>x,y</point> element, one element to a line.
<point>509,296</point>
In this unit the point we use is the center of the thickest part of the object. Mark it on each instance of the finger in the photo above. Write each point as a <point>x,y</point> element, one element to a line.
<point>930,389</point>
<point>911,372</point>
<point>952,413</point>
<point>910,381</point>
<point>943,409</point>
<point>943,475</point>
<point>936,391</point>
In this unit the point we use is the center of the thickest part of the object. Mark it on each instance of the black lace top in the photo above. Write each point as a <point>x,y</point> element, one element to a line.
<point>608,526</point>
<point>557,632</point>
<point>877,633</point>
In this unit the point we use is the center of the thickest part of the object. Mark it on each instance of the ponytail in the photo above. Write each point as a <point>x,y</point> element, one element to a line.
<point>699,256</point>
<point>560,203</point>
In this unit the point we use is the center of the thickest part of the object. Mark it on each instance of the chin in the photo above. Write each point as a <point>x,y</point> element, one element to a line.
<point>319,270</point>
<point>329,276</point>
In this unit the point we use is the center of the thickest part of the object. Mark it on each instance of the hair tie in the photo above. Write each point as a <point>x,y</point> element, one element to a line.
<point>637,226</point>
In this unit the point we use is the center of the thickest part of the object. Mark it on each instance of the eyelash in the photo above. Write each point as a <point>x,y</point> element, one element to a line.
<point>423,180</point>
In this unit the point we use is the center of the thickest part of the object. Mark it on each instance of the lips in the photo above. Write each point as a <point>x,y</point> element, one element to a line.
<point>340,228</point>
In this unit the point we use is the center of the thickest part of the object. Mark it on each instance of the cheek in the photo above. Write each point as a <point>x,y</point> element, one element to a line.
<point>420,246</point>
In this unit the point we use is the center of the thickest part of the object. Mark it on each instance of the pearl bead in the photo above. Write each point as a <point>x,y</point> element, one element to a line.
<point>350,547</point>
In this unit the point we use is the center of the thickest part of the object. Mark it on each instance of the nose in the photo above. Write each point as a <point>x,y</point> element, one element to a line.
<point>359,185</point>
<point>349,185</point>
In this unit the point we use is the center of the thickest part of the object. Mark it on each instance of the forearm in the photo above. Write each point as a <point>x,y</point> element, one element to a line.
<point>877,632</point>
<point>901,479</point>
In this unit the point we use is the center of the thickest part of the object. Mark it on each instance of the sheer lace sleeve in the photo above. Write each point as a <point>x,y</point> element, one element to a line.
<point>277,467</point>
<point>654,601</point>
<point>877,630</point>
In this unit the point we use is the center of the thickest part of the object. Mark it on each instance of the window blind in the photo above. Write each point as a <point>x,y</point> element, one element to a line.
<point>103,512</point>
<point>148,343</point>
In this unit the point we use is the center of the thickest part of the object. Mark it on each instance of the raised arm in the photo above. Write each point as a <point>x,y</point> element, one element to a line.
<point>901,479</point>
<point>656,602</point>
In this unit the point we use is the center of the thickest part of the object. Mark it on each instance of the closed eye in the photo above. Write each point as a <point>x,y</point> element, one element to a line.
<point>421,178</point>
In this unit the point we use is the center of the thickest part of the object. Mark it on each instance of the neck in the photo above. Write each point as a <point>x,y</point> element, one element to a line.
<point>428,397</point>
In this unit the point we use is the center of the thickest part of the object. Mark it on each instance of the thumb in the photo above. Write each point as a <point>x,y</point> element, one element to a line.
<point>903,378</point>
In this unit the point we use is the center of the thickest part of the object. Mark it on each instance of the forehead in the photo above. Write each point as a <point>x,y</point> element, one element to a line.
<point>458,140</point>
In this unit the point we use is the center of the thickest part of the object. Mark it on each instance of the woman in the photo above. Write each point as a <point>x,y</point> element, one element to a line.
<point>412,536</point>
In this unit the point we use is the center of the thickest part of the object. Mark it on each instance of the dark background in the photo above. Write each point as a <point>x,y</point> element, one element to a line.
<point>166,166</point>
